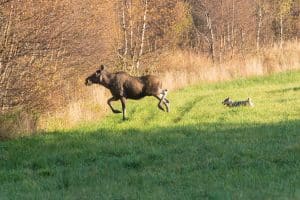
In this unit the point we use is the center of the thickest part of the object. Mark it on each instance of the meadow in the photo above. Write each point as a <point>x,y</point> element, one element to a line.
<point>200,150</point>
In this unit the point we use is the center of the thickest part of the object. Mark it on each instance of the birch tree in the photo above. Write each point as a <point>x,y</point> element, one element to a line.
<point>259,21</point>
<point>143,24</point>
<point>283,8</point>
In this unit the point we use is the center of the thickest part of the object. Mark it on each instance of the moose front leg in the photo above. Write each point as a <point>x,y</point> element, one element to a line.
<point>123,101</point>
<point>109,103</point>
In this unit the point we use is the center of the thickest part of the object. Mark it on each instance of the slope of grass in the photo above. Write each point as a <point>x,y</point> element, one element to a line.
<point>201,150</point>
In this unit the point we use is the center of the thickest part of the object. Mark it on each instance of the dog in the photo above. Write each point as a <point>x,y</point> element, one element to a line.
<point>230,103</point>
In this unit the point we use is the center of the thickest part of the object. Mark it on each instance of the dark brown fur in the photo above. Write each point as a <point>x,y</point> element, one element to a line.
<point>124,86</point>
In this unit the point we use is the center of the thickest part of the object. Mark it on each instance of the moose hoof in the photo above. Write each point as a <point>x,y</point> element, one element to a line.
<point>117,111</point>
<point>168,109</point>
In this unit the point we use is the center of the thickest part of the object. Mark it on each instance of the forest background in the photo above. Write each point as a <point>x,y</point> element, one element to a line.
<point>48,48</point>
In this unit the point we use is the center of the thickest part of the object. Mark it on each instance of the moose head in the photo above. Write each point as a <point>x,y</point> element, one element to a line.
<point>97,77</point>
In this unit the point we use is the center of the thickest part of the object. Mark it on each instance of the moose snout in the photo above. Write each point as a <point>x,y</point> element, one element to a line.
<point>87,82</point>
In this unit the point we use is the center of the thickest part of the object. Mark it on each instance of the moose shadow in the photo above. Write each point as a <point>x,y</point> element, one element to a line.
<point>296,89</point>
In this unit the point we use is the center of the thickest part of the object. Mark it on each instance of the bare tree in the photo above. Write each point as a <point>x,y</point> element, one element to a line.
<point>41,50</point>
<point>212,38</point>
<point>143,34</point>
<point>259,19</point>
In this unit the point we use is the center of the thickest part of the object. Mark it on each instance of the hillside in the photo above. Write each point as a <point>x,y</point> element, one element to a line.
<point>199,150</point>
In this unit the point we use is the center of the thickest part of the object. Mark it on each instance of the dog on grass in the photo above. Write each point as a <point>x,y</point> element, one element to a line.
<point>230,103</point>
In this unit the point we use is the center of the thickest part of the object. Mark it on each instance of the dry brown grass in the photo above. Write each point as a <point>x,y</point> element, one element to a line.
<point>89,105</point>
<point>183,68</point>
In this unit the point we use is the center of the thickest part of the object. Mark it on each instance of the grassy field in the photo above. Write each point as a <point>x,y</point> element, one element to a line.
<point>201,150</point>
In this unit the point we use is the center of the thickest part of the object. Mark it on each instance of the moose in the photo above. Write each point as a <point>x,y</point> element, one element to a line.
<point>124,86</point>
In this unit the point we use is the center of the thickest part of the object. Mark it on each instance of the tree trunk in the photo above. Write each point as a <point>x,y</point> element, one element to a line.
<point>124,29</point>
<point>242,46</point>
<point>281,31</point>
<point>143,34</point>
<point>131,27</point>
<point>212,37</point>
<point>228,37</point>
<point>259,27</point>
<point>123,50</point>
<point>233,28</point>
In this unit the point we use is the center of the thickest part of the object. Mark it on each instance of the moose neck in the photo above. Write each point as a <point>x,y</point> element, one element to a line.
<point>106,79</point>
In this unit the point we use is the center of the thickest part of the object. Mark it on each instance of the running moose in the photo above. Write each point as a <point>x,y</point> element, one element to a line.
<point>124,86</point>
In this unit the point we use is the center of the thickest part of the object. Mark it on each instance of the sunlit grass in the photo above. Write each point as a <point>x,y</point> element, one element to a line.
<point>201,150</point>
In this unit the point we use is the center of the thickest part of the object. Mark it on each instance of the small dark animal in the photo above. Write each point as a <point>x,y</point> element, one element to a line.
<point>124,86</point>
<point>230,103</point>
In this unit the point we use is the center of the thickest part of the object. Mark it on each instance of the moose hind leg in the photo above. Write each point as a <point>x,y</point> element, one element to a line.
<point>165,100</point>
<point>160,102</point>
<point>109,103</point>
<point>167,104</point>
<point>160,105</point>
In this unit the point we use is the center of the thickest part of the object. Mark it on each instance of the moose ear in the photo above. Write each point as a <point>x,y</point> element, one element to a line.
<point>102,67</point>
<point>98,73</point>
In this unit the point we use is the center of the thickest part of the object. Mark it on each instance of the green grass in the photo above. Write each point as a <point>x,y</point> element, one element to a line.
<point>201,150</point>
